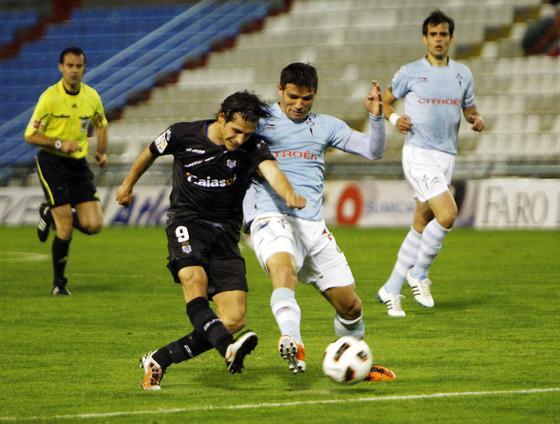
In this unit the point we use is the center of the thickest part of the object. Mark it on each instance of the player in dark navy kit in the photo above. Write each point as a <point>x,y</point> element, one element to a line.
<point>213,164</point>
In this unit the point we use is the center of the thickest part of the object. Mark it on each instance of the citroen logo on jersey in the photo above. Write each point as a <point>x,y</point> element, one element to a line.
<point>231,163</point>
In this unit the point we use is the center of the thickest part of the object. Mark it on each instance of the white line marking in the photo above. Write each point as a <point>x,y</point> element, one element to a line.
<point>22,257</point>
<point>281,404</point>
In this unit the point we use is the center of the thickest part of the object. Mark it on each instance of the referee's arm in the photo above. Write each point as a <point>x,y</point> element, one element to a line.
<point>102,135</point>
<point>65,146</point>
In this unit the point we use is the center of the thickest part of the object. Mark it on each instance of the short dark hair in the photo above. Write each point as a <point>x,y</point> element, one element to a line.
<point>300,74</point>
<point>248,105</point>
<point>72,49</point>
<point>438,17</point>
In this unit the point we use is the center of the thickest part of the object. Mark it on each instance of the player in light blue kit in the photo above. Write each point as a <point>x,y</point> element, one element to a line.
<point>435,90</point>
<point>296,245</point>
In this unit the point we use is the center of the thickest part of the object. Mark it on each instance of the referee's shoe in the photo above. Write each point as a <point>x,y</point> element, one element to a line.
<point>45,222</point>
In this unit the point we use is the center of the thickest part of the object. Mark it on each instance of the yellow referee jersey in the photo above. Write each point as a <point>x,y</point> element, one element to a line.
<point>64,116</point>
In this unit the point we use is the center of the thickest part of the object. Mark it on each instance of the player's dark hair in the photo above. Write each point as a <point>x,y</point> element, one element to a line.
<point>438,17</point>
<point>248,105</point>
<point>299,74</point>
<point>74,50</point>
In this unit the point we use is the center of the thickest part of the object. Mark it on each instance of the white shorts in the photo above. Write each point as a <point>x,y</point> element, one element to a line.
<point>319,260</point>
<point>428,171</point>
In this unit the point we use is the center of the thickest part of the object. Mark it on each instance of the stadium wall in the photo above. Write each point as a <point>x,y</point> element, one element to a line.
<point>492,203</point>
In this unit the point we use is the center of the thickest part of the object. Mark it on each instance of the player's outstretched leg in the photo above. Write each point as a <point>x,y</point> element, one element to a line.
<point>45,222</point>
<point>380,373</point>
<point>293,352</point>
<point>239,349</point>
<point>153,372</point>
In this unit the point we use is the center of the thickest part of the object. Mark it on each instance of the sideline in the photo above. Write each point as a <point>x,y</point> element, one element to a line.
<point>280,404</point>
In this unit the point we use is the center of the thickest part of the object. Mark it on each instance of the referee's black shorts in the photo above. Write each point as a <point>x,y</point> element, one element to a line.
<point>200,243</point>
<point>65,180</point>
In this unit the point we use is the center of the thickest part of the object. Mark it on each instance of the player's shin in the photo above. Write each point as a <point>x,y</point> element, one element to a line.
<point>187,347</point>
<point>349,327</point>
<point>208,324</point>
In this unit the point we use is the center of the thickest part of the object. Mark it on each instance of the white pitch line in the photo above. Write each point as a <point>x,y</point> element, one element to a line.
<point>22,257</point>
<point>281,404</point>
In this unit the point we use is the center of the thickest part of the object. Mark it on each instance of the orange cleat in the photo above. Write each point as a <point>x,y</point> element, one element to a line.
<point>380,373</point>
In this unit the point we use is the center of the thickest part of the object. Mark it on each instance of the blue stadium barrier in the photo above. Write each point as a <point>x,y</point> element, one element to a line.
<point>132,61</point>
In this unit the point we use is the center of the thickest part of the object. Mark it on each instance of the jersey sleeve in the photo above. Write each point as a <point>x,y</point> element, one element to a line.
<point>399,83</point>
<point>468,97</point>
<point>339,132</point>
<point>165,143</point>
<point>99,118</point>
<point>262,153</point>
<point>40,117</point>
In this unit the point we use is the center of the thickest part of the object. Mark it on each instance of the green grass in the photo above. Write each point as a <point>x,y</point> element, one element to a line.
<point>494,328</point>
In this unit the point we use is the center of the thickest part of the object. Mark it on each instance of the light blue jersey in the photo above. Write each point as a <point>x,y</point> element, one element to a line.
<point>299,149</point>
<point>434,99</point>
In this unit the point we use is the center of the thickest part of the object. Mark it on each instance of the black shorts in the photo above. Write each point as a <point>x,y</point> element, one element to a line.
<point>65,180</point>
<point>202,243</point>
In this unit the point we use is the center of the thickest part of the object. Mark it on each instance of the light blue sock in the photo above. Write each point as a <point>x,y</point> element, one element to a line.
<point>432,239</point>
<point>405,260</point>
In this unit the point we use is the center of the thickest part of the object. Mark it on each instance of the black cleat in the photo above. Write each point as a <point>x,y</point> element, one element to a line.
<point>45,222</point>
<point>60,289</point>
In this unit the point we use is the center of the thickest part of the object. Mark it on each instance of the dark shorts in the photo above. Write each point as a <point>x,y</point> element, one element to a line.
<point>201,243</point>
<point>65,180</point>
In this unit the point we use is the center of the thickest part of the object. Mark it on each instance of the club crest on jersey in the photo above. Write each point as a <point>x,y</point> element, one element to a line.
<point>231,163</point>
<point>310,122</point>
<point>459,79</point>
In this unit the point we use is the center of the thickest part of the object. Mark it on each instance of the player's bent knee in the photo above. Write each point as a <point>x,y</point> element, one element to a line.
<point>234,323</point>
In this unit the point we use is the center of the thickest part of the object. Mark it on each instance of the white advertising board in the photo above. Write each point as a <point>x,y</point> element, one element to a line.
<point>518,203</point>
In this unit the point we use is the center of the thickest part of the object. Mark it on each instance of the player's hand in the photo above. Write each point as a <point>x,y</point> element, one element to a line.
<point>294,200</point>
<point>478,123</point>
<point>69,146</point>
<point>124,195</point>
<point>374,99</point>
<point>404,124</point>
<point>101,159</point>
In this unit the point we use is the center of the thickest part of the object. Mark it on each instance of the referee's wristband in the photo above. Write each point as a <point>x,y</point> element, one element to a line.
<point>394,118</point>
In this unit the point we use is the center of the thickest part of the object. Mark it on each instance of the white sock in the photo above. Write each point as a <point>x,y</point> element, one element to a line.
<point>432,239</point>
<point>405,260</point>
<point>287,312</point>
<point>349,327</point>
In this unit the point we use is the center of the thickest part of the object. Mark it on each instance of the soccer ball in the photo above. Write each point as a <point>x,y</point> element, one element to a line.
<point>347,360</point>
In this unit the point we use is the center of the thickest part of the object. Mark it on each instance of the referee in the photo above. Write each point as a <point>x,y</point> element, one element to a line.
<point>63,116</point>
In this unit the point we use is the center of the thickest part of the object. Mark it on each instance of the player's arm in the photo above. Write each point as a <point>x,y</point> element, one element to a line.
<point>279,182</point>
<point>141,164</point>
<point>402,123</point>
<point>473,117</point>
<point>102,135</point>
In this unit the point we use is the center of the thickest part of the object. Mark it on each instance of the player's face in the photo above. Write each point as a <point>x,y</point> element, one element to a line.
<point>296,102</point>
<point>72,70</point>
<point>235,132</point>
<point>438,40</point>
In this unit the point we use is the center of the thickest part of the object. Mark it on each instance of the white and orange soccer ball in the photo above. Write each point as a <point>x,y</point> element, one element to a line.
<point>347,360</point>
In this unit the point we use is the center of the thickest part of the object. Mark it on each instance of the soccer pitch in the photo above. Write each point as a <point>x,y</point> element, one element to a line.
<point>488,351</point>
